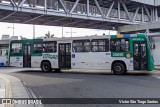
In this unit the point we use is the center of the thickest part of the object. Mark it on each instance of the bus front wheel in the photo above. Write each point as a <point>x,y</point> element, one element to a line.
<point>46,67</point>
<point>119,68</point>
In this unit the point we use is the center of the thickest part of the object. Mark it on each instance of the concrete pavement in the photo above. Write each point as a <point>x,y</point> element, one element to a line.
<point>70,84</point>
<point>12,87</point>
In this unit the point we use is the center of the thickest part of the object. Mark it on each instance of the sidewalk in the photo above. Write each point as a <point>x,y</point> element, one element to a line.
<point>12,87</point>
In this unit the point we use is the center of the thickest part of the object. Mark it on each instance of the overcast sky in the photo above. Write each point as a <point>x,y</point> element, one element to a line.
<point>26,30</point>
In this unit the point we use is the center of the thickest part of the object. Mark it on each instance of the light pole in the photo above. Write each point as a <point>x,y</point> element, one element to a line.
<point>12,28</point>
<point>62,31</point>
<point>34,32</point>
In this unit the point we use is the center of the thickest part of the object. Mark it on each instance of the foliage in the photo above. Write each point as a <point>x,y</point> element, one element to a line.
<point>23,38</point>
<point>49,35</point>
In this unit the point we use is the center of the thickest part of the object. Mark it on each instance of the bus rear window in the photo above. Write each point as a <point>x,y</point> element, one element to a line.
<point>16,47</point>
<point>119,45</point>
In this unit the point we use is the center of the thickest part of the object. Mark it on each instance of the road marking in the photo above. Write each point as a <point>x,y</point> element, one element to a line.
<point>158,77</point>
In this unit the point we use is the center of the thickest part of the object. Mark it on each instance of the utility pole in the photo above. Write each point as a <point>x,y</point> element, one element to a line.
<point>12,29</point>
<point>62,31</point>
<point>33,31</point>
<point>71,32</point>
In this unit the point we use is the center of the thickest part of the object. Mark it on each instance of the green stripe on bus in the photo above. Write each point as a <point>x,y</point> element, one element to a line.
<point>118,54</point>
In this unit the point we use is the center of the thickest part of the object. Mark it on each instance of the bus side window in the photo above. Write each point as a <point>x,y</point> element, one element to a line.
<point>37,47</point>
<point>49,46</point>
<point>86,47</point>
<point>123,45</point>
<point>81,46</point>
<point>119,45</point>
<point>43,48</point>
<point>6,52</point>
<point>100,45</point>
<point>112,45</point>
<point>16,48</point>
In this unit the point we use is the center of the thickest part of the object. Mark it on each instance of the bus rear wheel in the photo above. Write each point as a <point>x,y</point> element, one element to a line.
<point>119,68</point>
<point>46,67</point>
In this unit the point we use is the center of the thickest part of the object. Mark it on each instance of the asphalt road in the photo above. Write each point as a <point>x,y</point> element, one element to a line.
<point>89,85</point>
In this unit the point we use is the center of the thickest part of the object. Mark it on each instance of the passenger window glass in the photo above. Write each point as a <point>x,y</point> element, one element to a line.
<point>81,46</point>
<point>16,48</point>
<point>3,52</point>
<point>37,47</point>
<point>100,45</point>
<point>49,47</point>
<point>119,45</point>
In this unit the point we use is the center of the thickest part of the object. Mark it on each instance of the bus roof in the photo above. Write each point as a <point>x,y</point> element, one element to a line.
<point>86,37</point>
<point>26,40</point>
<point>77,38</point>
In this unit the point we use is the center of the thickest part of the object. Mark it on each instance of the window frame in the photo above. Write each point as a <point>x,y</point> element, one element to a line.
<point>105,46</point>
<point>126,39</point>
<point>84,40</point>
<point>49,42</point>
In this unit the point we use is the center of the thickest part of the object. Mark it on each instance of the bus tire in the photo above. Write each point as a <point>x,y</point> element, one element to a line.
<point>46,66</point>
<point>119,68</point>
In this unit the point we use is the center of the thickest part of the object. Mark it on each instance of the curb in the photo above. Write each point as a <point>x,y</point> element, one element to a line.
<point>8,92</point>
<point>15,88</point>
<point>8,89</point>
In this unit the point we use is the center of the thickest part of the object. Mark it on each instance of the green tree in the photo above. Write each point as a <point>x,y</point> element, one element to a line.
<point>49,35</point>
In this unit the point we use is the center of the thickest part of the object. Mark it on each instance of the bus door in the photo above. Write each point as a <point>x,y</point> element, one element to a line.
<point>140,55</point>
<point>27,55</point>
<point>64,55</point>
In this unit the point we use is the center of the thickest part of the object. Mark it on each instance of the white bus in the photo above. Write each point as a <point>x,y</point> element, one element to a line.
<point>3,57</point>
<point>118,53</point>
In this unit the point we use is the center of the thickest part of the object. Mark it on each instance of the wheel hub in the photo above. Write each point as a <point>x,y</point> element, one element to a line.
<point>118,68</point>
<point>45,67</point>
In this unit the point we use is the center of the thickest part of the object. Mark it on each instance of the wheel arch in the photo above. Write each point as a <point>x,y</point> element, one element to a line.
<point>45,61</point>
<point>119,61</point>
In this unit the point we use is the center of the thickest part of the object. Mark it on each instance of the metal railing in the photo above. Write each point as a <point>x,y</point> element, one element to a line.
<point>81,9</point>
